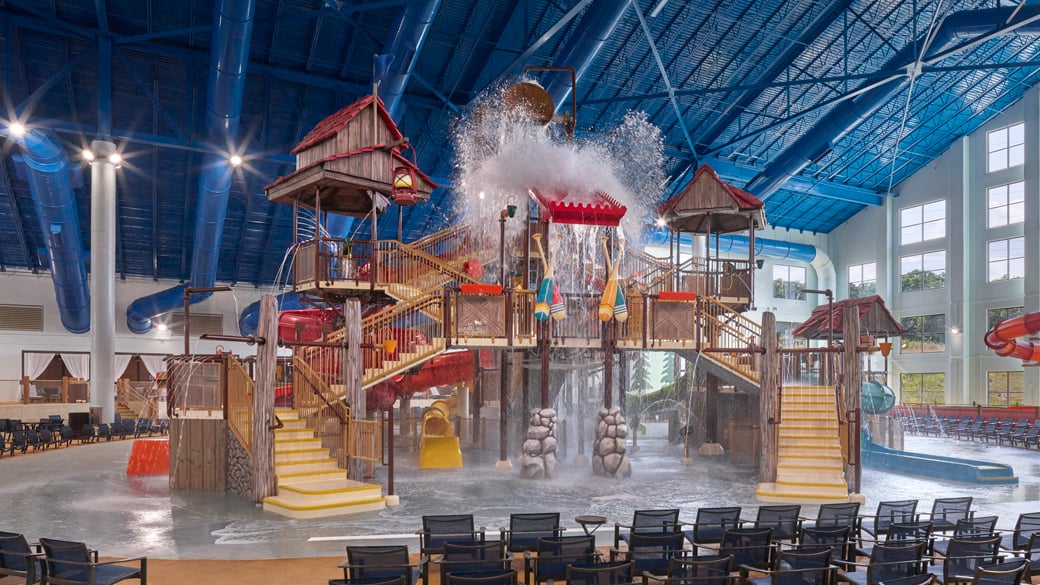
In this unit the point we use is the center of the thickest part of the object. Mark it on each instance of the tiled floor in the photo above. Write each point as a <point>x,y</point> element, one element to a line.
<point>83,493</point>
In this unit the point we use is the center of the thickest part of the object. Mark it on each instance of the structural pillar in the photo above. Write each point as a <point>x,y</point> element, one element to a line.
<point>103,278</point>
<point>711,446</point>
<point>503,463</point>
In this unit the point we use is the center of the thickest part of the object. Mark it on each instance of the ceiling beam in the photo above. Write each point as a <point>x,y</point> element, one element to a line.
<point>8,189</point>
<point>741,174</point>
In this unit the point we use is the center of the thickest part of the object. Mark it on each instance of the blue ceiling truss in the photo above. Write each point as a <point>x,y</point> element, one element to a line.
<point>731,83</point>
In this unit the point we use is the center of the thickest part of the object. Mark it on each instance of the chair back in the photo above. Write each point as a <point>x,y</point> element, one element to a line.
<point>378,563</point>
<point>556,554</point>
<point>525,530</point>
<point>661,520</point>
<point>749,546</point>
<point>947,511</point>
<point>1009,573</point>
<point>975,526</point>
<point>439,529</point>
<point>615,573</point>
<point>504,577</point>
<point>476,558</point>
<point>899,512</point>
<point>909,532</point>
<point>922,579</point>
<point>783,519</point>
<point>895,560</point>
<point>1026,525</point>
<point>65,559</point>
<point>965,554</point>
<point>837,539</point>
<point>709,571</point>
<point>712,523</point>
<point>804,567</point>
<point>652,552</point>
<point>15,553</point>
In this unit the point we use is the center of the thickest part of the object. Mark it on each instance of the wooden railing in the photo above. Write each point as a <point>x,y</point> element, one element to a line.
<point>141,397</point>
<point>409,266</point>
<point>240,403</point>
<point>196,382</point>
<point>448,245</point>
<point>365,441</point>
<point>318,401</point>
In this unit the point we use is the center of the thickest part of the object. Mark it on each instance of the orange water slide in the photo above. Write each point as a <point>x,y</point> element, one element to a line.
<point>1006,338</point>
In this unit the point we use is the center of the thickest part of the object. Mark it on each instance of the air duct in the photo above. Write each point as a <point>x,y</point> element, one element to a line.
<point>404,42</point>
<point>229,57</point>
<point>850,113</point>
<point>737,245</point>
<point>597,25</point>
<point>55,205</point>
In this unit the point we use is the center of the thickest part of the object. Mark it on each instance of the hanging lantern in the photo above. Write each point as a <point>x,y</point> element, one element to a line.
<point>404,186</point>
<point>886,348</point>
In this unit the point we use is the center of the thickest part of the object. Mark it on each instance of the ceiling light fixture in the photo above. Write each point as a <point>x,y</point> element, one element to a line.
<point>88,155</point>
<point>16,129</point>
<point>235,160</point>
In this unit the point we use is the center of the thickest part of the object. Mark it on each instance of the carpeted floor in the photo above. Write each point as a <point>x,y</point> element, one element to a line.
<point>302,571</point>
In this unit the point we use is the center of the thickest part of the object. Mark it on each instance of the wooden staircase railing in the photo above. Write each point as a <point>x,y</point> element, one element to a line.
<point>722,327</point>
<point>240,403</point>
<point>316,396</point>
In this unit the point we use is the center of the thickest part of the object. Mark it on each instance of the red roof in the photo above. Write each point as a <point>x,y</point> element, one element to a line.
<point>744,200</point>
<point>816,326</point>
<point>602,210</point>
<point>334,123</point>
<point>398,158</point>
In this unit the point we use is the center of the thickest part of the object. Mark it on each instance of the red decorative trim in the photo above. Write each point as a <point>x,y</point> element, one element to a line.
<point>480,289</point>
<point>676,295</point>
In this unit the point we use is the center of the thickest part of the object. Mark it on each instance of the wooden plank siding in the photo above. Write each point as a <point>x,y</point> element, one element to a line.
<point>198,454</point>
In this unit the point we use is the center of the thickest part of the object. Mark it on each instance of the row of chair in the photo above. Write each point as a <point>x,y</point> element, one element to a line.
<point>1004,431</point>
<point>64,562</point>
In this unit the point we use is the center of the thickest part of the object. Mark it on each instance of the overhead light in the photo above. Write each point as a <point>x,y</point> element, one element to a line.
<point>481,195</point>
<point>657,9</point>
<point>161,326</point>
<point>16,129</point>
<point>115,158</point>
<point>661,222</point>
<point>235,161</point>
<point>88,155</point>
<point>955,330</point>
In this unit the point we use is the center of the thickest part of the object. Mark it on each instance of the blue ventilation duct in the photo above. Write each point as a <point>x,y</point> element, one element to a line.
<point>597,25</point>
<point>55,205</point>
<point>229,57</point>
<point>850,113</point>
<point>404,42</point>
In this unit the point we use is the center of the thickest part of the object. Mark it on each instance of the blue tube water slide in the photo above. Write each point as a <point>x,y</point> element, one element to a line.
<point>229,57</point>
<point>55,205</point>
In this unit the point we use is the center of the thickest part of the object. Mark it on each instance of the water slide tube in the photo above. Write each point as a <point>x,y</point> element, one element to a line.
<point>1004,338</point>
<point>935,466</point>
<point>438,445</point>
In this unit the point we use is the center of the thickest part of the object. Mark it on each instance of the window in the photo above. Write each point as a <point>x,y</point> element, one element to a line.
<point>1006,147</point>
<point>788,282</point>
<point>785,336</point>
<point>1006,259</point>
<point>1005,388</point>
<point>862,280</point>
<point>927,388</point>
<point>921,223</point>
<point>994,316</point>
<point>922,271</point>
<point>926,334</point>
<point>1007,204</point>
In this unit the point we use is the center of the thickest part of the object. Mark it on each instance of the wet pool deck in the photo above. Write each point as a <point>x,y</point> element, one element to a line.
<point>83,493</point>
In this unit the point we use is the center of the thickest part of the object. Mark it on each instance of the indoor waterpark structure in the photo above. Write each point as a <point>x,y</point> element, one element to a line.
<point>281,278</point>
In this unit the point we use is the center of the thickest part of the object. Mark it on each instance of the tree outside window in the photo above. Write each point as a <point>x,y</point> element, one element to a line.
<point>862,280</point>
<point>924,388</point>
<point>1005,388</point>
<point>922,271</point>
<point>925,334</point>
<point>1006,204</point>
<point>1006,147</point>
<point>921,223</point>
<point>1006,259</point>
<point>994,316</point>
<point>788,282</point>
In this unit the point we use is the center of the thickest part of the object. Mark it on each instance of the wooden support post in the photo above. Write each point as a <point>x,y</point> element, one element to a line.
<point>852,382</point>
<point>769,385</point>
<point>351,368</point>
<point>65,389</point>
<point>264,481</point>
<point>25,389</point>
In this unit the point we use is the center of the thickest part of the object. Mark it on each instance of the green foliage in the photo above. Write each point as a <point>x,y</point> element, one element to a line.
<point>918,279</point>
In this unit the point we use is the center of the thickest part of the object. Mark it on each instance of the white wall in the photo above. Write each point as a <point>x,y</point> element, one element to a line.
<point>22,288</point>
<point>960,177</point>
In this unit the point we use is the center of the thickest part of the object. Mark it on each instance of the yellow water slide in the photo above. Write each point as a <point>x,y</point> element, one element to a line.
<point>438,445</point>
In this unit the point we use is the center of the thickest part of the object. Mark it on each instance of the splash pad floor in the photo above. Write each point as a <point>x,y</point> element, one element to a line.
<point>83,493</point>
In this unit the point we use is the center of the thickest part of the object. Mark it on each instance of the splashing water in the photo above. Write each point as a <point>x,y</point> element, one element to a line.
<point>501,155</point>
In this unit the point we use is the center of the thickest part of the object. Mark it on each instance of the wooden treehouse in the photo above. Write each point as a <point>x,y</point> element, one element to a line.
<point>709,206</point>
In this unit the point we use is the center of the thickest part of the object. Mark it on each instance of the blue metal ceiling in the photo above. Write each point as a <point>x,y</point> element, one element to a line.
<point>734,83</point>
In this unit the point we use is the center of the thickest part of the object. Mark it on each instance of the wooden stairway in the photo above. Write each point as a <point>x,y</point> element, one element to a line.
<point>310,483</point>
<point>810,468</point>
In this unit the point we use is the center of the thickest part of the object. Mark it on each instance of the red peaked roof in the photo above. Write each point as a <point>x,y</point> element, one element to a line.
<point>602,210</point>
<point>873,315</point>
<point>334,123</point>
<point>744,200</point>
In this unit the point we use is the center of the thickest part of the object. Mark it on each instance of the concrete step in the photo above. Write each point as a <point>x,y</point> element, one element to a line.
<point>325,498</point>
<point>787,493</point>
<point>309,476</point>
<point>293,444</point>
<point>297,433</point>
<point>304,454</point>
<point>304,465</point>
<point>811,425</point>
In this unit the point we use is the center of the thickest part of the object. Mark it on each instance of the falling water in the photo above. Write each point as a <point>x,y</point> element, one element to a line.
<point>501,155</point>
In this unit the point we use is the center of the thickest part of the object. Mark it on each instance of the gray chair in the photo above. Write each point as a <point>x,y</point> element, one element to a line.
<point>17,558</point>
<point>72,563</point>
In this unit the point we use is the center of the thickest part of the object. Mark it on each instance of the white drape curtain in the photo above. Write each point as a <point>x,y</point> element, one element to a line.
<point>154,363</point>
<point>121,362</point>
<point>78,364</point>
<point>34,363</point>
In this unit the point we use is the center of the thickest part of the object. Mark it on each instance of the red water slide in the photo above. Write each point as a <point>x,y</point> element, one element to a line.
<point>1005,336</point>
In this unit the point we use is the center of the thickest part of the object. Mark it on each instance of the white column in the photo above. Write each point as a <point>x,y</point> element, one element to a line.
<point>103,278</point>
